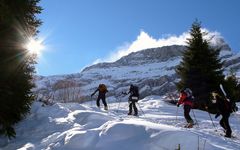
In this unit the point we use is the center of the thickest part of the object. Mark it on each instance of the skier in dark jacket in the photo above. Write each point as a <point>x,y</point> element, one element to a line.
<point>224,109</point>
<point>133,98</point>
<point>102,90</point>
<point>186,100</point>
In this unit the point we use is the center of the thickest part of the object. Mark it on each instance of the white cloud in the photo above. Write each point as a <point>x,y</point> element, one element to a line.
<point>214,37</point>
<point>144,41</point>
<point>97,61</point>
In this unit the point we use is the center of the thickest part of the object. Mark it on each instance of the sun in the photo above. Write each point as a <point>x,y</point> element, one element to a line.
<point>34,46</point>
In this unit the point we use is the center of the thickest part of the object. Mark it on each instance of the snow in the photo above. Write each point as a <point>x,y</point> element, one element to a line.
<point>117,76</point>
<point>225,53</point>
<point>235,56</point>
<point>73,126</point>
<point>132,72</point>
<point>43,82</point>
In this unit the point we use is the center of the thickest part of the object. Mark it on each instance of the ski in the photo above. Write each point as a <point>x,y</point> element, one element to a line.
<point>190,125</point>
<point>223,91</point>
<point>232,137</point>
<point>133,116</point>
<point>183,125</point>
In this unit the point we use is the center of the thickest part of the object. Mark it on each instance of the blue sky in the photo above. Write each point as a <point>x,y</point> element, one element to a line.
<point>78,33</point>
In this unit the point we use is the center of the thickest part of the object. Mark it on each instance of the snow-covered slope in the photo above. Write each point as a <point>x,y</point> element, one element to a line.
<point>72,126</point>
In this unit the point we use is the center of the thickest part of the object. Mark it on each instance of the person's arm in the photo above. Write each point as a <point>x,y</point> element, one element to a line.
<point>181,98</point>
<point>217,115</point>
<point>130,90</point>
<point>124,93</point>
<point>94,92</point>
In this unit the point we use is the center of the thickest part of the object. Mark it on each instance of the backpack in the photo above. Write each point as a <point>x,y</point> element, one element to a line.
<point>230,106</point>
<point>135,91</point>
<point>102,88</point>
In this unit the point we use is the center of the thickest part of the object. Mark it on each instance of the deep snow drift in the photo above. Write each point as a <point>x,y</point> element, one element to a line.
<point>70,126</point>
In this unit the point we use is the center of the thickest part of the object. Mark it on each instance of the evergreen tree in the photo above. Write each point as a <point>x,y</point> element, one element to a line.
<point>232,87</point>
<point>17,24</point>
<point>200,68</point>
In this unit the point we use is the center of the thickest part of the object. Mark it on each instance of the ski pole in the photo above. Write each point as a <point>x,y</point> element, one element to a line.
<point>119,100</point>
<point>108,105</point>
<point>176,115</point>
<point>141,109</point>
<point>204,144</point>
<point>224,93</point>
<point>198,143</point>
<point>212,122</point>
<point>91,101</point>
<point>195,117</point>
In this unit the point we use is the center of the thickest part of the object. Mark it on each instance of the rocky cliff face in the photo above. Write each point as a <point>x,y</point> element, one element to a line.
<point>153,70</point>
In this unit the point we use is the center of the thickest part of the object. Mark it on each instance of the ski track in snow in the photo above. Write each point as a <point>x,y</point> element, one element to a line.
<point>70,126</point>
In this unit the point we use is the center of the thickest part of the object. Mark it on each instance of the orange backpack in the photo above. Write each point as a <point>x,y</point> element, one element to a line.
<point>102,88</point>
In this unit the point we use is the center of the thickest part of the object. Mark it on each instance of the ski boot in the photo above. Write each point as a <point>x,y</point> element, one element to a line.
<point>105,108</point>
<point>129,113</point>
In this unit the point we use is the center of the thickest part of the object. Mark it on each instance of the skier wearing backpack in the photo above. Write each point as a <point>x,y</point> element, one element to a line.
<point>133,98</point>
<point>102,90</point>
<point>223,108</point>
<point>186,99</point>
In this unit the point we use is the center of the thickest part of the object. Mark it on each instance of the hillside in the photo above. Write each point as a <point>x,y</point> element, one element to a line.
<point>72,126</point>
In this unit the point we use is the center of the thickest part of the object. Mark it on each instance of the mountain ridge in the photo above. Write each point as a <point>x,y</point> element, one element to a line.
<point>153,70</point>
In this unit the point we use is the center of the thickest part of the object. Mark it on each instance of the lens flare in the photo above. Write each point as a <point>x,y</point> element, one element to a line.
<point>34,46</point>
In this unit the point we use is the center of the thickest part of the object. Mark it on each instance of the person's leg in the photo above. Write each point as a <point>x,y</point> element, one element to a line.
<point>130,108</point>
<point>227,126</point>
<point>135,108</point>
<point>98,102</point>
<point>221,122</point>
<point>187,110</point>
<point>104,101</point>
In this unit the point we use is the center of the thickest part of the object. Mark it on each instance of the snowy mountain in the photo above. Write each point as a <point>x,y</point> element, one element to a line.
<point>153,70</point>
<point>73,126</point>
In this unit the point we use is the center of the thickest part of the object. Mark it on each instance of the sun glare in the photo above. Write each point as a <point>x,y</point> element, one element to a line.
<point>34,46</point>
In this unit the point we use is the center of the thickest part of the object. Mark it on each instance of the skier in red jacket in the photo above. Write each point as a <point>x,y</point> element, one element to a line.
<point>186,99</point>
